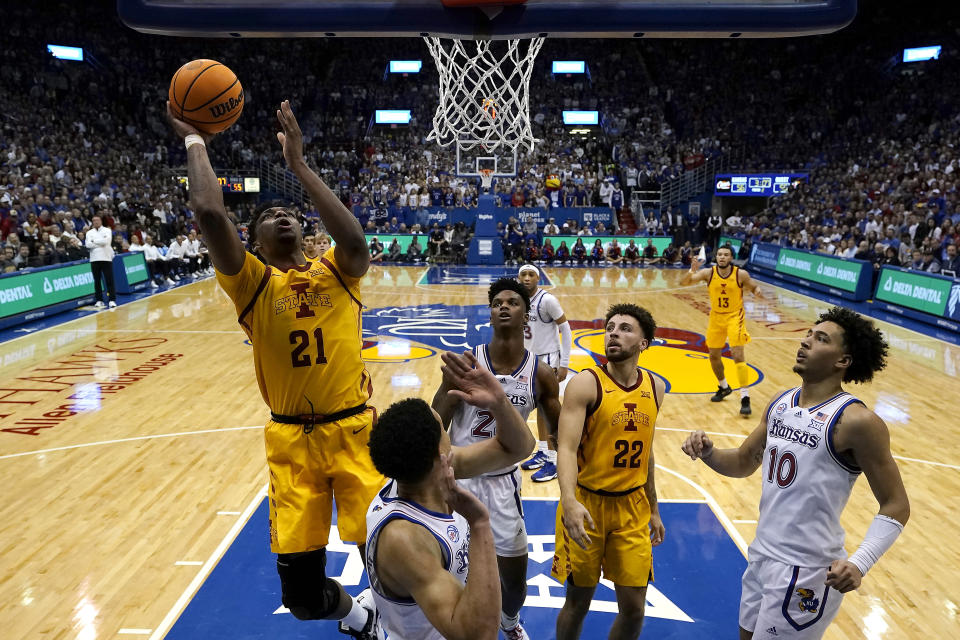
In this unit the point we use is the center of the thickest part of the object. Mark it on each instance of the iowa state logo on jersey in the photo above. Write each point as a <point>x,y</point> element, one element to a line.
<point>629,417</point>
<point>300,300</point>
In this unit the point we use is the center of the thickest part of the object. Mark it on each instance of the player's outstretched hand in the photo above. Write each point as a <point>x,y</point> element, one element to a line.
<point>843,576</point>
<point>574,516</point>
<point>697,445</point>
<point>291,137</point>
<point>183,129</point>
<point>472,384</point>
<point>458,498</point>
<point>695,263</point>
<point>657,530</point>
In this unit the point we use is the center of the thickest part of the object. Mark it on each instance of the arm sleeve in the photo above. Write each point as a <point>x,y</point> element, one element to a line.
<point>566,342</point>
<point>881,535</point>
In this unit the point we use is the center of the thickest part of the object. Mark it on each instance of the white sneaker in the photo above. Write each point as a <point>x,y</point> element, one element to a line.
<point>517,633</point>
<point>170,282</point>
<point>177,278</point>
<point>372,629</point>
<point>153,284</point>
<point>99,305</point>
<point>112,304</point>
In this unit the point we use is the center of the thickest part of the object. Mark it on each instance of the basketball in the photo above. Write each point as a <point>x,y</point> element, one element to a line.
<point>207,95</point>
<point>553,182</point>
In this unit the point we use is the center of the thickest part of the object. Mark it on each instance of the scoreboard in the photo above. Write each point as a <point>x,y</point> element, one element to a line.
<point>230,184</point>
<point>757,184</point>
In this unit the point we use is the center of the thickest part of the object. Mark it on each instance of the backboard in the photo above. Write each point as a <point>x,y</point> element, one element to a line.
<point>549,18</point>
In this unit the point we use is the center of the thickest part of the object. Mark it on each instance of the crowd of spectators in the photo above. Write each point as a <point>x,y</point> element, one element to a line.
<point>878,139</point>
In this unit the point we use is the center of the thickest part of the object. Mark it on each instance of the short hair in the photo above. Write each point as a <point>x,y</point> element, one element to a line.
<point>322,235</point>
<point>257,214</point>
<point>405,441</point>
<point>726,246</point>
<point>508,284</point>
<point>862,340</point>
<point>647,324</point>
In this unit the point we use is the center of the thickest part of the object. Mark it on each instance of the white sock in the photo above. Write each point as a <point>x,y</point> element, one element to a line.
<point>723,383</point>
<point>551,456</point>
<point>541,445</point>
<point>744,393</point>
<point>507,623</point>
<point>357,618</point>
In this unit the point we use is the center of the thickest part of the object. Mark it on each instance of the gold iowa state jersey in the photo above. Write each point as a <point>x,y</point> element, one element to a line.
<point>726,294</point>
<point>304,325</point>
<point>617,433</point>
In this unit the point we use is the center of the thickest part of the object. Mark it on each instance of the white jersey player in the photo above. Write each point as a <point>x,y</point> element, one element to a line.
<point>425,533</point>
<point>812,444</point>
<point>527,384</point>
<point>402,616</point>
<point>540,336</point>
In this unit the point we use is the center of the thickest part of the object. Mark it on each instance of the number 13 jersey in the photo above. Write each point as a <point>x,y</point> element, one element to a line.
<point>304,325</point>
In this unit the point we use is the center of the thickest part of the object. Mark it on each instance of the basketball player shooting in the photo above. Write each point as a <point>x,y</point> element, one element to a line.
<point>813,442</point>
<point>303,319</point>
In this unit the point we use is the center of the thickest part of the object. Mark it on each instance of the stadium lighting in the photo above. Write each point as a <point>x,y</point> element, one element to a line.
<point>569,66</point>
<point>405,66</point>
<point>919,54</point>
<point>65,53</point>
<point>581,117</point>
<point>392,116</point>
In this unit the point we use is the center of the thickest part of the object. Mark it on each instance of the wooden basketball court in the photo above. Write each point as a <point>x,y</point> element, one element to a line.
<point>132,452</point>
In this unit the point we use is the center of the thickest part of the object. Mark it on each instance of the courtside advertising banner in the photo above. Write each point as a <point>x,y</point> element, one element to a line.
<point>936,295</point>
<point>27,291</point>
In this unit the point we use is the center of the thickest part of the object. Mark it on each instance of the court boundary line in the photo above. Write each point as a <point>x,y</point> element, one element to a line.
<point>131,439</point>
<point>740,435</point>
<point>718,511</point>
<point>84,317</point>
<point>181,603</point>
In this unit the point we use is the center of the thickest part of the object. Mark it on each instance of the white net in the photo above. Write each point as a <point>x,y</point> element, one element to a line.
<point>484,92</point>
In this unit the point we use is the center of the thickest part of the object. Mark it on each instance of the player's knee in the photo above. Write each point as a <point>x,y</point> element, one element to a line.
<point>306,591</point>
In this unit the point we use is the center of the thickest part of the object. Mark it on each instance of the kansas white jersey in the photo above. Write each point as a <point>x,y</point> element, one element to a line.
<point>470,424</point>
<point>402,618</point>
<point>541,337</point>
<point>806,483</point>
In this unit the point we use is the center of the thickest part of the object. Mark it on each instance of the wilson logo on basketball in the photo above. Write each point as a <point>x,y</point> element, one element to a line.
<point>227,106</point>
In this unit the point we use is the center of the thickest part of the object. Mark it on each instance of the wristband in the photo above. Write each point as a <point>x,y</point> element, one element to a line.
<point>193,139</point>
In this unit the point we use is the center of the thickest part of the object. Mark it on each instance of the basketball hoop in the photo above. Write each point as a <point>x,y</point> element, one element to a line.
<point>486,178</point>
<point>484,92</point>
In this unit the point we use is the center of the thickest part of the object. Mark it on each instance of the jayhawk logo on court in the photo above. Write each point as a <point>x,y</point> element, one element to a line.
<point>807,600</point>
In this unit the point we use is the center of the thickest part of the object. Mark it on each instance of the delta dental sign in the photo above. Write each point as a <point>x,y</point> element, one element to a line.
<point>829,271</point>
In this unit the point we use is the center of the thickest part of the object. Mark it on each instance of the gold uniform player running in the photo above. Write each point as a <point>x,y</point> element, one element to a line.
<point>608,516</point>
<point>303,319</point>
<point>726,283</point>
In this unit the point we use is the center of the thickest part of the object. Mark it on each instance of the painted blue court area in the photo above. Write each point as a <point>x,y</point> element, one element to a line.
<point>695,595</point>
<point>464,274</point>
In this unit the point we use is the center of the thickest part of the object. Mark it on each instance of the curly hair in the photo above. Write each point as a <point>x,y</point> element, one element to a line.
<point>647,324</point>
<point>405,441</point>
<point>862,340</point>
<point>508,284</point>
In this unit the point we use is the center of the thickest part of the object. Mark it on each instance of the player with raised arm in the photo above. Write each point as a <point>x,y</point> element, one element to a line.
<point>303,319</point>
<point>540,337</point>
<point>527,384</point>
<point>608,518</point>
<point>812,444</point>
<point>726,283</point>
<point>426,532</point>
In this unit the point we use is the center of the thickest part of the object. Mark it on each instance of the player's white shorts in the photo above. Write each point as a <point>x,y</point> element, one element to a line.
<point>551,359</point>
<point>782,601</point>
<point>501,495</point>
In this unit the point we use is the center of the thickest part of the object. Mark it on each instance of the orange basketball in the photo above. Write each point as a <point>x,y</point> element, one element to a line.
<point>207,95</point>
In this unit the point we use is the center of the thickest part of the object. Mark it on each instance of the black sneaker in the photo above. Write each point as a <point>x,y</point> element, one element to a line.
<point>745,406</point>
<point>722,392</point>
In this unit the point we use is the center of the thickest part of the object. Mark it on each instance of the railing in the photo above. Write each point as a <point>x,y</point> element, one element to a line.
<point>641,202</point>
<point>277,178</point>
<point>696,181</point>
